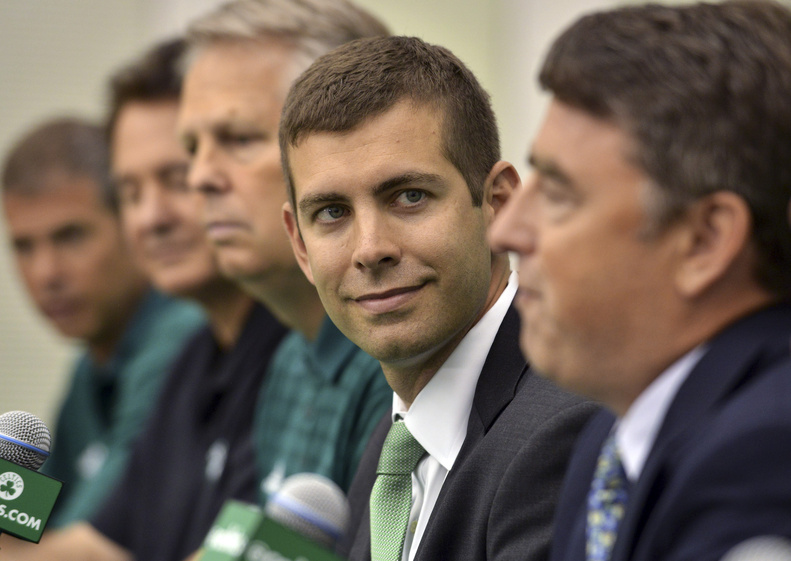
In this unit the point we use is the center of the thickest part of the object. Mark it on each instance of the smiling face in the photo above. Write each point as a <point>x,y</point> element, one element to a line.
<point>160,214</point>
<point>230,110</point>
<point>390,237</point>
<point>596,295</point>
<point>71,253</point>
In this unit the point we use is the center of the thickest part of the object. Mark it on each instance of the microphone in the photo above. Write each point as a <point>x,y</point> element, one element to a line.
<point>26,496</point>
<point>302,520</point>
<point>761,548</point>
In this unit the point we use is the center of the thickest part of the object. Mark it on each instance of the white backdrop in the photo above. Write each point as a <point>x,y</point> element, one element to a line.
<point>55,57</point>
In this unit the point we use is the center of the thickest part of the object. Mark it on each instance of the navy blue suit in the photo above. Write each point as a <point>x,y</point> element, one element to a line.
<point>720,469</point>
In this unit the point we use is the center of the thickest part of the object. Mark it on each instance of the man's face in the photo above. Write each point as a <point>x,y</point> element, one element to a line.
<point>390,236</point>
<point>72,256</point>
<point>595,289</point>
<point>230,111</point>
<point>160,214</point>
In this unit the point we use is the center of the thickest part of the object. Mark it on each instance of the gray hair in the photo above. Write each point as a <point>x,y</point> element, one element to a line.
<point>66,145</point>
<point>312,27</point>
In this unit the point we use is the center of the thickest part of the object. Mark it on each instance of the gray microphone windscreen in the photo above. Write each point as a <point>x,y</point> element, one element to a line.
<point>311,505</point>
<point>24,439</point>
<point>761,548</point>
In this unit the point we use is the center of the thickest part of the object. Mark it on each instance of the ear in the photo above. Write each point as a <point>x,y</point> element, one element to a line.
<point>297,243</point>
<point>501,182</point>
<point>716,243</point>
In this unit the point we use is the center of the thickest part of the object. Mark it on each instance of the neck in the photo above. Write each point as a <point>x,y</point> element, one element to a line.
<point>227,308</point>
<point>103,345</point>
<point>409,377</point>
<point>293,301</point>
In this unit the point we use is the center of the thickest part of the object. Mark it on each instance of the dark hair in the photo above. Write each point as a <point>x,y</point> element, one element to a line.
<point>704,90</point>
<point>156,76</point>
<point>71,146</point>
<point>365,78</point>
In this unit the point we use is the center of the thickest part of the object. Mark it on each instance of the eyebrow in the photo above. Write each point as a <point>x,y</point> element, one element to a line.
<point>308,202</point>
<point>549,169</point>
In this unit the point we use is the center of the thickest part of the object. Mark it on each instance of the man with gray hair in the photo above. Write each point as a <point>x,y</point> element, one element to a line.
<point>324,395</point>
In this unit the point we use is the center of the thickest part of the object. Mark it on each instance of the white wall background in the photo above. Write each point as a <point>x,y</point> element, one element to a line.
<point>55,56</point>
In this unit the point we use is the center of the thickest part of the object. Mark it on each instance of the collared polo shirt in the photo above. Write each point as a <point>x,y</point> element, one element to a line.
<point>107,405</point>
<point>321,402</point>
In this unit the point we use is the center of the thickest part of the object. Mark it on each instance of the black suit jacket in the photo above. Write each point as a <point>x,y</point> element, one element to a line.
<point>498,500</point>
<point>720,469</point>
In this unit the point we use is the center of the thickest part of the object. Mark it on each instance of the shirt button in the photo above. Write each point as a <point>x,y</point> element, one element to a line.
<point>413,526</point>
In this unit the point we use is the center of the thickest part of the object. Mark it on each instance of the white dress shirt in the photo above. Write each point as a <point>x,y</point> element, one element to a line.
<point>438,416</point>
<point>637,430</point>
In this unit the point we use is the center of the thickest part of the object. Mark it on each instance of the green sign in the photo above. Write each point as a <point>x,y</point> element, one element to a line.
<point>26,501</point>
<point>235,526</point>
<point>243,533</point>
<point>274,542</point>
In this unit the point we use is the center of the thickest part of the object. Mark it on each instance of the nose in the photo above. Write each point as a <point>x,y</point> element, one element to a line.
<point>206,174</point>
<point>513,229</point>
<point>156,212</point>
<point>375,243</point>
<point>45,269</point>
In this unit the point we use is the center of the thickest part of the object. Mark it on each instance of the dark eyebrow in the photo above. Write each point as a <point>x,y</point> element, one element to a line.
<point>549,169</point>
<point>312,201</point>
<point>409,178</point>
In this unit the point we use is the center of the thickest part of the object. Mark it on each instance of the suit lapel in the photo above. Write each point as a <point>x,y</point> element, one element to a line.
<point>501,376</point>
<point>732,357</point>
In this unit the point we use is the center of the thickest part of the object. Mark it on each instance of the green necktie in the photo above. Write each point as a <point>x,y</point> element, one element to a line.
<point>391,497</point>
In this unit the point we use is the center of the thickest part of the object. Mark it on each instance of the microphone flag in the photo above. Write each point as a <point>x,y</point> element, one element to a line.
<point>242,532</point>
<point>26,501</point>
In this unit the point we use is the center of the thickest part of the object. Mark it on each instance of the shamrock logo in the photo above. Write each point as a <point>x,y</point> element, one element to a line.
<point>11,486</point>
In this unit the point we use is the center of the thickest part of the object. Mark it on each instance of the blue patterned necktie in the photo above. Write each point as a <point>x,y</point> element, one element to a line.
<point>391,496</point>
<point>606,502</point>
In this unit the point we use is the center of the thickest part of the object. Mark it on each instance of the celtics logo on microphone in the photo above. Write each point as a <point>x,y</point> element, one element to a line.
<point>11,486</point>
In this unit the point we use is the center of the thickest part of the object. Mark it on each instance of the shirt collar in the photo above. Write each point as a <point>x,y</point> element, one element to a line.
<point>438,416</point>
<point>637,430</point>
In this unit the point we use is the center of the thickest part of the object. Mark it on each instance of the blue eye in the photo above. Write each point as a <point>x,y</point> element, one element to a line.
<point>330,213</point>
<point>412,196</point>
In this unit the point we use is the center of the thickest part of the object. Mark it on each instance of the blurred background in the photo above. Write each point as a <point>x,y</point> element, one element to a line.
<point>55,57</point>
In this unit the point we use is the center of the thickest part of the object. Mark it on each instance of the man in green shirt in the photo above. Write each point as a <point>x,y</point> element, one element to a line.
<point>64,227</point>
<point>322,395</point>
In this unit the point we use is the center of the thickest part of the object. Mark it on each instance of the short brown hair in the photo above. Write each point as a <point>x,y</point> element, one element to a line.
<point>704,90</point>
<point>365,78</point>
<point>155,76</point>
<point>67,145</point>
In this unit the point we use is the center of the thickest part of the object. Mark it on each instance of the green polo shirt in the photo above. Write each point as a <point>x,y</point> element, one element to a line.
<point>320,403</point>
<point>107,405</point>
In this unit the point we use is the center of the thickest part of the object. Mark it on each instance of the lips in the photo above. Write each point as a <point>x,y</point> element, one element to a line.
<point>223,231</point>
<point>388,300</point>
<point>60,310</point>
<point>169,252</point>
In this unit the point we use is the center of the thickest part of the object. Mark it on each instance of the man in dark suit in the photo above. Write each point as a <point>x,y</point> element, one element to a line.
<point>655,269</point>
<point>392,156</point>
